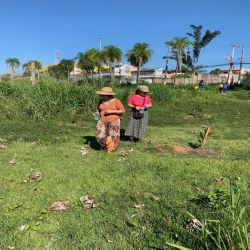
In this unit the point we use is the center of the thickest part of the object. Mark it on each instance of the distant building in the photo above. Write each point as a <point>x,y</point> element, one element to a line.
<point>120,70</point>
<point>148,73</point>
<point>234,75</point>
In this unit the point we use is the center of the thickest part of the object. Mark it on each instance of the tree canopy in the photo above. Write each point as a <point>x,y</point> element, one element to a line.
<point>198,44</point>
<point>139,55</point>
<point>12,62</point>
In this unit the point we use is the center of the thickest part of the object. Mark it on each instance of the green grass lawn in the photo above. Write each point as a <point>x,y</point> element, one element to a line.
<point>119,185</point>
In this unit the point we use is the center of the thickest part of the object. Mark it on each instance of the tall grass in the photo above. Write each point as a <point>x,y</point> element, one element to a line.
<point>47,98</point>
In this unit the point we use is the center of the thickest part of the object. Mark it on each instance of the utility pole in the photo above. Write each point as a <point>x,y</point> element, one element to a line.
<point>231,62</point>
<point>100,43</point>
<point>166,69</point>
<point>242,55</point>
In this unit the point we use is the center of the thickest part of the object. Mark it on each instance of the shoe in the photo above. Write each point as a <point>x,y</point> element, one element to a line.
<point>131,140</point>
<point>139,141</point>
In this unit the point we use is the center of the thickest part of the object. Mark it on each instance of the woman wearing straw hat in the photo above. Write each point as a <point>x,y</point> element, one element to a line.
<point>108,126</point>
<point>136,127</point>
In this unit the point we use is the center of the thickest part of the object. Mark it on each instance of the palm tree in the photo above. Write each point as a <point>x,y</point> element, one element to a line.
<point>13,63</point>
<point>179,45</point>
<point>85,62</point>
<point>112,54</point>
<point>200,43</point>
<point>139,55</point>
<point>99,59</point>
<point>27,67</point>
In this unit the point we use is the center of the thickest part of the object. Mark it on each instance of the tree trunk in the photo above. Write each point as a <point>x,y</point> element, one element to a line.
<point>113,73</point>
<point>179,60</point>
<point>175,76</point>
<point>110,72</point>
<point>166,68</point>
<point>139,70</point>
<point>99,68</point>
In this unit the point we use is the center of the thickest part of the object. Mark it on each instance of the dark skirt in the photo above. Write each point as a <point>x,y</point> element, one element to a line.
<point>137,127</point>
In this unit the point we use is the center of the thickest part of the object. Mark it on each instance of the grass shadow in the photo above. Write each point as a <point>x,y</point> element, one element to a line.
<point>91,140</point>
<point>193,145</point>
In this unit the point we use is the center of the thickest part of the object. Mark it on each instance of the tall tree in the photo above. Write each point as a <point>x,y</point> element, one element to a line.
<point>86,61</point>
<point>99,60</point>
<point>13,63</point>
<point>111,55</point>
<point>179,46</point>
<point>138,56</point>
<point>200,42</point>
<point>61,71</point>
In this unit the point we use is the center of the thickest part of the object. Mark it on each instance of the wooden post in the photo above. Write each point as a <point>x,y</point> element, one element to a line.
<point>242,55</point>
<point>166,68</point>
<point>74,116</point>
<point>205,137</point>
<point>33,73</point>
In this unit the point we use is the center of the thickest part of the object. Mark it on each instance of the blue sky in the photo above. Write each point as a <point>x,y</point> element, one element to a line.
<point>34,29</point>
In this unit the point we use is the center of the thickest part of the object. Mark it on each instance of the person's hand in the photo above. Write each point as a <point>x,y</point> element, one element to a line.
<point>138,108</point>
<point>108,111</point>
<point>96,113</point>
<point>147,105</point>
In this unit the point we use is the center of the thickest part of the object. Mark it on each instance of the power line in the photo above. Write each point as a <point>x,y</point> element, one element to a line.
<point>51,49</point>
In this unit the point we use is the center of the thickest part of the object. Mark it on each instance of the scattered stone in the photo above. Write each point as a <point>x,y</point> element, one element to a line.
<point>121,159</point>
<point>193,224</point>
<point>87,201</point>
<point>13,161</point>
<point>237,178</point>
<point>26,181</point>
<point>3,140</point>
<point>60,206</point>
<point>133,151</point>
<point>154,198</point>
<point>85,149</point>
<point>139,206</point>
<point>3,147</point>
<point>122,153</point>
<point>36,177</point>
<point>218,179</point>
<point>150,142</point>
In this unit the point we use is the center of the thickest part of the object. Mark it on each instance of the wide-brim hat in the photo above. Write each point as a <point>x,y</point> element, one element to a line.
<point>105,91</point>
<point>143,88</point>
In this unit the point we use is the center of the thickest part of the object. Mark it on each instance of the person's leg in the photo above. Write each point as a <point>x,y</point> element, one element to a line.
<point>100,133</point>
<point>113,139</point>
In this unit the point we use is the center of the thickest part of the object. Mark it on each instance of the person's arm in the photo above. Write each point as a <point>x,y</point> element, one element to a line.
<point>120,109</point>
<point>98,110</point>
<point>132,106</point>
<point>149,104</point>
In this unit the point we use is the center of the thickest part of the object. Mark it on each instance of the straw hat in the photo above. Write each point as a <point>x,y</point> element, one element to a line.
<point>143,88</point>
<point>105,91</point>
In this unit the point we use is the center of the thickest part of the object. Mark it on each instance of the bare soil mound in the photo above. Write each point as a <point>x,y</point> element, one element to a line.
<point>196,152</point>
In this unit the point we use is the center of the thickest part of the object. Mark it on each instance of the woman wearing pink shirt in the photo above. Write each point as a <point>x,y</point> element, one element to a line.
<point>136,127</point>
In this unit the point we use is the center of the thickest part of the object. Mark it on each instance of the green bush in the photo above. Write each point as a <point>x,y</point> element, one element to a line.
<point>161,93</point>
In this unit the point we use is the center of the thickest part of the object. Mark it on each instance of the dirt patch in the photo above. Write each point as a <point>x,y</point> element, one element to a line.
<point>207,153</point>
<point>165,148</point>
<point>196,152</point>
